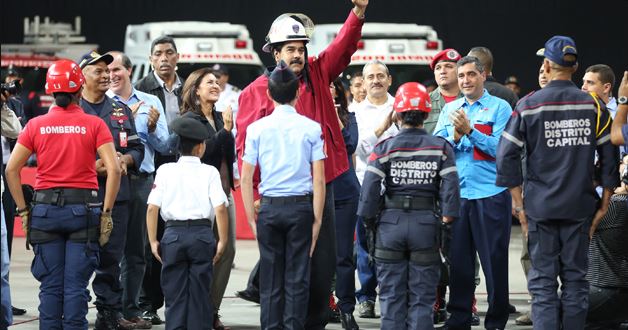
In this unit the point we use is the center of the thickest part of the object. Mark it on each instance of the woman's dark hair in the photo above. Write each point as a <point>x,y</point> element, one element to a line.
<point>189,100</point>
<point>187,145</point>
<point>283,92</point>
<point>341,99</point>
<point>63,99</point>
<point>413,118</point>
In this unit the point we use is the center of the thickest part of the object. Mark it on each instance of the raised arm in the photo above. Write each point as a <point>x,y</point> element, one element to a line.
<point>337,56</point>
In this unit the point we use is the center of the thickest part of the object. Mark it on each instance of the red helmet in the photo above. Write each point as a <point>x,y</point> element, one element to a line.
<point>412,96</point>
<point>64,76</point>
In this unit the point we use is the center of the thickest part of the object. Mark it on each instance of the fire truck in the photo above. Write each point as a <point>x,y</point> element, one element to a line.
<point>44,42</point>
<point>406,49</point>
<point>199,44</point>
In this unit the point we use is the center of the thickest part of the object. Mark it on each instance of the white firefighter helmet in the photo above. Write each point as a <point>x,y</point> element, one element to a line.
<point>289,27</point>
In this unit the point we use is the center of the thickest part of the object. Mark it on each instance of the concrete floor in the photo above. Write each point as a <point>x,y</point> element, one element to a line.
<point>237,313</point>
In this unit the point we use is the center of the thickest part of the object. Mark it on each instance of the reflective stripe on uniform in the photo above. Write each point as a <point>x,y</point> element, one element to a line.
<point>603,139</point>
<point>399,154</point>
<point>447,171</point>
<point>376,171</point>
<point>561,107</point>
<point>512,139</point>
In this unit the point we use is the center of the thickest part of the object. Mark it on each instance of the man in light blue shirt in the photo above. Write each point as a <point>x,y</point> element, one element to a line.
<point>288,148</point>
<point>473,125</point>
<point>152,129</point>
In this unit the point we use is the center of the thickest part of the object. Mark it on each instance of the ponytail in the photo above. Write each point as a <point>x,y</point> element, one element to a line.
<point>63,99</point>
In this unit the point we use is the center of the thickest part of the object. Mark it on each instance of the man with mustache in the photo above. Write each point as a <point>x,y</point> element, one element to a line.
<point>286,41</point>
<point>165,83</point>
<point>119,119</point>
<point>375,123</point>
<point>473,125</point>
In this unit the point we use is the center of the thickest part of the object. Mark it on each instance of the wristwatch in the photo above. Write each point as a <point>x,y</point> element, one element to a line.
<point>518,209</point>
<point>622,100</point>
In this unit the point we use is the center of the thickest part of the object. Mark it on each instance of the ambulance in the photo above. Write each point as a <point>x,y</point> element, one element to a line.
<point>44,42</point>
<point>199,44</point>
<point>406,49</point>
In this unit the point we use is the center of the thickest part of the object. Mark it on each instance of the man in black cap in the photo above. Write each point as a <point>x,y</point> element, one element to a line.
<point>13,103</point>
<point>119,119</point>
<point>189,195</point>
<point>288,149</point>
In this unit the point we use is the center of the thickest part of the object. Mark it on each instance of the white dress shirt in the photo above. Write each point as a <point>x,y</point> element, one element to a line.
<point>187,190</point>
<point>369,117</point>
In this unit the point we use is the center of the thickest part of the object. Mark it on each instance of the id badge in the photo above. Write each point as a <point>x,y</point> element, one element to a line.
<point>123,139</point>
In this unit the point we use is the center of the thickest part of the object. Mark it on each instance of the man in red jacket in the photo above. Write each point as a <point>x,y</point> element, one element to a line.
<point>286,41</point>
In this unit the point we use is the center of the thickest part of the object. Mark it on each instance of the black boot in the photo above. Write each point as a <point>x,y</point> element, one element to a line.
<point>17,311</point>
<point>106,320</point>
<point>348,322</point>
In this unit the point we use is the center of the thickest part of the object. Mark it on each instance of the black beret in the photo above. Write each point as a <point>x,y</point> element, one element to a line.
<point>190,129</point>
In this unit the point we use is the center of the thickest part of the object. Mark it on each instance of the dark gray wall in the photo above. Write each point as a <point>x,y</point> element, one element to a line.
<point>513,30</point>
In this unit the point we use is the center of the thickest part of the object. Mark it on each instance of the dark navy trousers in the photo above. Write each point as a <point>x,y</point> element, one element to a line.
<point>187,253</point>
<point>407,289</point>
<point>323,264</point>
<point>558,249</point>
<point>106,285</point>
<point>284,235</point>
<point>483,226</point>
<point>63,267</point>
<point>134,260</point>
<point>366,271</point>
<point>346,219</point>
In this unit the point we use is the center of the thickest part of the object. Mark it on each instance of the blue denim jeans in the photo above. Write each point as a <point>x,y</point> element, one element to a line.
<point>7,315</point>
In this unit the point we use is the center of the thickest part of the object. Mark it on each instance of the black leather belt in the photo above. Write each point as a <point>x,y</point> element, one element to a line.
<point>63,196</point>
<point>286,200</point>
<point>410,203</point>
<point>188,223</point>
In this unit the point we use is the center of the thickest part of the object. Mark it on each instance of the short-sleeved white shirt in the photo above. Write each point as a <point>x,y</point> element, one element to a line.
<point>187,190</point>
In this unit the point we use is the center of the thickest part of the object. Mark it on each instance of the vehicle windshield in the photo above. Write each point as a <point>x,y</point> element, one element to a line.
<point>240,75</point>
